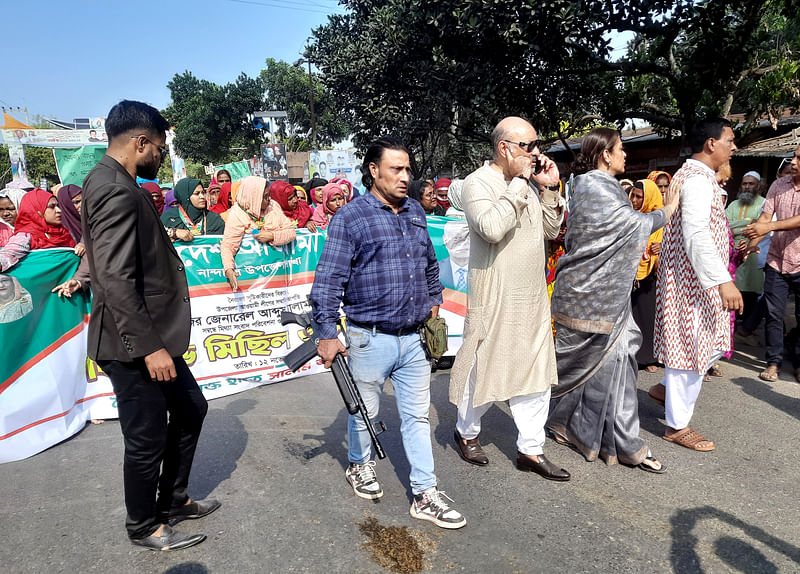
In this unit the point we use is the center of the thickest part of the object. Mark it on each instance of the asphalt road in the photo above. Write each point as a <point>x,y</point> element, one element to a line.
<point>275,456</point>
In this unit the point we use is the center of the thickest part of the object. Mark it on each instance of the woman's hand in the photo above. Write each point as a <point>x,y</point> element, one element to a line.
<point>184,235</point>
<point>672,198</point>
<point>655,248</point>
<point>80,249</point>
<point>230,275</point>
<point>67,288</point>
<point>265,236</point>
<point>311,226</point>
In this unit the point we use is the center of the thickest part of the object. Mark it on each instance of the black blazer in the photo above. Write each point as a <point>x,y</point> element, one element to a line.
<point>140,296</point>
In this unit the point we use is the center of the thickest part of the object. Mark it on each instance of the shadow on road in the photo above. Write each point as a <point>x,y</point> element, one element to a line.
<point>650,413</point>
<point>223,441</point>
<point>187,568</point>
<point>738,553</point>
<point>764,392</point>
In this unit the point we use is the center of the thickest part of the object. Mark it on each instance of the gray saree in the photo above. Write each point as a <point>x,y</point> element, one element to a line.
<point>595,406</point>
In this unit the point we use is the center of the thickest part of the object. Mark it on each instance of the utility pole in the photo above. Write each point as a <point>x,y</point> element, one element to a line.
<point>311,103</point>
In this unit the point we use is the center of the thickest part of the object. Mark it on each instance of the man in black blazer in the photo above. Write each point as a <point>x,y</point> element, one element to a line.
<point>139,329</point>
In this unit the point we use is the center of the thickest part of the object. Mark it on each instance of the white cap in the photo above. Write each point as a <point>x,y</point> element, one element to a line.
<point>754,174</point>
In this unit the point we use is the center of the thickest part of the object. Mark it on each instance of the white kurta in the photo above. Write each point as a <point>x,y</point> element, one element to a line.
<point>507,326</point>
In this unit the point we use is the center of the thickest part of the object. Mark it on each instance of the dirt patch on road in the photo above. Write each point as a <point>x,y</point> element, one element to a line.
<point>397,548</point>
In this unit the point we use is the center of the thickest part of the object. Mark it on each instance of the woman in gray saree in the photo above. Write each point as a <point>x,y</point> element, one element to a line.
<point>595,406</point>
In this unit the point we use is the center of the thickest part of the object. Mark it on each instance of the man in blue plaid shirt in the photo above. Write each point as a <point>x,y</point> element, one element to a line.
<point>379,264</point>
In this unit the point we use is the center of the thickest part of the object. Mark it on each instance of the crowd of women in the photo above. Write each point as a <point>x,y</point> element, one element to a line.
<point>270,212</point>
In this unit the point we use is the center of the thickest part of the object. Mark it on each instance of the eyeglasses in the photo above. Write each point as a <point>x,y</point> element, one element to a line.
<point>527,146</point>
<point>164,150</point>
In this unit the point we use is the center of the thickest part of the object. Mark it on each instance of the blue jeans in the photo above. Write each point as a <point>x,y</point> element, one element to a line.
<point>374,357</point>
<point>777,287</point>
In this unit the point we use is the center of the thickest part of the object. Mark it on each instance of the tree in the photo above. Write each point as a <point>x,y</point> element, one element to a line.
<point>711,58</point>
<point>40,163</point>
<point>441,74</point>
<point>288,90</point>
<point>5,167</point>
<point>211,121</point>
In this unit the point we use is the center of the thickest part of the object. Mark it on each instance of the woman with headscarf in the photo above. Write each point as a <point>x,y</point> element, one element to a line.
<point>69,200</point>
<point>662,179</point>
<point>40,217</point>
<point>313,188</point>
<point>646,198</point>
<point>154,191</point>
<point>9,203</point>
<point>297,210</point>
<point>38,226</point>
<point>223,200</point>
<point>332,200</point>
<point>191,214</point>
<point>440,189</point>
<point>221,177</point>
<point>212,197</point>
<point>302,194</point>
<point>595,408</point>
<point>169,200</point>
<point>255,214</point>
<point>456,208</point>
<point>346,186</point>
<point>422,191</point>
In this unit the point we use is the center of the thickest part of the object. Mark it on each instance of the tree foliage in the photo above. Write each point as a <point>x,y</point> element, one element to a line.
<point>712,58</point>
<point>441,74</point>
<point>39,163</point>
<point>211,121</point>
<point>288,90</point>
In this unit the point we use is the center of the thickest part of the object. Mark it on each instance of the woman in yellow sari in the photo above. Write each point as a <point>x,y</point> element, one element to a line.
<point>646,197</point>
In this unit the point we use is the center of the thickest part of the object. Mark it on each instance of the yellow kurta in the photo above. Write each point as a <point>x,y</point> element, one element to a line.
<point>507,326</point>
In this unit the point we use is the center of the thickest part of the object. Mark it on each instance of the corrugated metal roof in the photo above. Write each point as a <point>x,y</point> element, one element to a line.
<point>781,146</point>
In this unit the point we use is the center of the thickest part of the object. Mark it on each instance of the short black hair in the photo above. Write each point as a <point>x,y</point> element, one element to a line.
<point>710,128</point>
<point>128,116</point>
<point>375,153</point>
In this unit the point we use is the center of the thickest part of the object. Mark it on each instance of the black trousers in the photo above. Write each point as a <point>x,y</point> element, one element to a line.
<point>160,423</point>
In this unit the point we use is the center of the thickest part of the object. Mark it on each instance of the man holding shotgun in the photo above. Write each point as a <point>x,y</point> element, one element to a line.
<point>379,264</point>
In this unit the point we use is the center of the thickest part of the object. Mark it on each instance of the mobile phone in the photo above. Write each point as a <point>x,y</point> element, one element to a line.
<point>538,165</point>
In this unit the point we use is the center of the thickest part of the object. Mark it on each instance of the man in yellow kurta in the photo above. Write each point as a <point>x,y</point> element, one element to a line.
<point>508,352</point>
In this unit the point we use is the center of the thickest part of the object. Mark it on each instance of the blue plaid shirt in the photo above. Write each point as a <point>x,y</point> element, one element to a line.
<point>379,264</point>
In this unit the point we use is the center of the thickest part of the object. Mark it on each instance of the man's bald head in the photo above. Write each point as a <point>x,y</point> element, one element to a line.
<point>511,129</point>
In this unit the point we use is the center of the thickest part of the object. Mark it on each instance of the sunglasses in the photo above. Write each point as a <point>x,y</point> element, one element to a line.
<point>163,149</point>
<point>527,146</point>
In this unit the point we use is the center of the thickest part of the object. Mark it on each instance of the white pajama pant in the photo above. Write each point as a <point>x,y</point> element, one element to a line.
<point>682,390</point>
<point>529,412</point>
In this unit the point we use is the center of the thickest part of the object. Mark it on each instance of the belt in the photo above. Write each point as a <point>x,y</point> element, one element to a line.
<point>376,329</point>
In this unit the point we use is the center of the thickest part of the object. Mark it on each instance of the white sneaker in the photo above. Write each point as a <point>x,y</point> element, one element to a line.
<point>364,481</point>
<point>429,505</point>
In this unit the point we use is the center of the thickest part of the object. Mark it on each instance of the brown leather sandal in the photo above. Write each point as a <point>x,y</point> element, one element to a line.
<point>691,439</point>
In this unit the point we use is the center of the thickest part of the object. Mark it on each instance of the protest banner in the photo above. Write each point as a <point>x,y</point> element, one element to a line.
<point>238,169</point>
<point>50,389</point>
<point>56,138</point>
<point>74,164</point>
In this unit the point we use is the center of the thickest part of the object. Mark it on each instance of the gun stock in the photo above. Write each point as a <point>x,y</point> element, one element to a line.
<point>341,374</point>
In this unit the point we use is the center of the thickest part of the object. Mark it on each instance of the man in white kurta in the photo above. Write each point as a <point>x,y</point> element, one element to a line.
<point>695,290</point>
<point>508,352</point>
